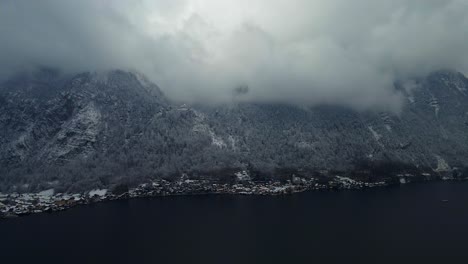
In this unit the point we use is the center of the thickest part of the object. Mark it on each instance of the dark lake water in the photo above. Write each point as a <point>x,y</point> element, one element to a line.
<point>408,224</point>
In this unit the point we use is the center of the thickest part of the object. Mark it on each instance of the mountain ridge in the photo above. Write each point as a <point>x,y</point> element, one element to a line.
<point>95,130</point>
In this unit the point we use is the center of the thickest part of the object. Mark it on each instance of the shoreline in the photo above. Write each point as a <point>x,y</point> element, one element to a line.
<point>17,205</point>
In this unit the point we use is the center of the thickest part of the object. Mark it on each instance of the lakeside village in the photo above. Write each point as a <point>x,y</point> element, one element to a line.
<point>15,204</point>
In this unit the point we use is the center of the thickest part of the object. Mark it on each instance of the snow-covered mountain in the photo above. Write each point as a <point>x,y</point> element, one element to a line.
<point>87,131</point>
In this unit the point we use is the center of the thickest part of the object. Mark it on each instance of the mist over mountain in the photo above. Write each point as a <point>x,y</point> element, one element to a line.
<point>76,132</point>
<point>302,52</point>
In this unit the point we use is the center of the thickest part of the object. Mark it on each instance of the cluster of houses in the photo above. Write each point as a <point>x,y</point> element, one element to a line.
<point>16,204</point>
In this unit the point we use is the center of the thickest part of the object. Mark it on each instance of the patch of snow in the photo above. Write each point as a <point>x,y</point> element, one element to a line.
<point>217,141</point>
<point>442,165</point>
<point>98,192</point>
<point>27,196</point>
<point>462,89</point>
<point>453,80</point>
<point>304,145</point>
<point>76,197</point>
<point>88,118</point>
<point>183,107</point>
<point>434,103</point>
<point>189,181</point>
<point>346,180</point>
<point>53,183</point>
<point>47,193</point>
<point>376,135</point>
<point>21,146</point>
<point>279,189</point>
<point>199,123</point>
<point>77,81</point>
<point>444,133</point>
<point>243,176</point>
<point>232,141</point>
<point>142,80</point>
<point>201,127</point>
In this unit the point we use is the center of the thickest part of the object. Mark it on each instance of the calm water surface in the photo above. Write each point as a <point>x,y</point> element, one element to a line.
<point>409,224</point>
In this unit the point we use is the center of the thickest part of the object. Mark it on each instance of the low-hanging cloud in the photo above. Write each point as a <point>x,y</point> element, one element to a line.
<point>295,51</point>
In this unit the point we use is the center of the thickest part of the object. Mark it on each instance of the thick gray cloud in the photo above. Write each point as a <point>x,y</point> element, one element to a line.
<point>298,51</point>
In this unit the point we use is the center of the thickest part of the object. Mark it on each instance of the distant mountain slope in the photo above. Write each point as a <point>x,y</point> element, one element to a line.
<point>96,130</point>
<point>431,128</point>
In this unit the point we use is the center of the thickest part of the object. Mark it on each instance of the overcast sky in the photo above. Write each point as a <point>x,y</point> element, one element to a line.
<point>297,51</point>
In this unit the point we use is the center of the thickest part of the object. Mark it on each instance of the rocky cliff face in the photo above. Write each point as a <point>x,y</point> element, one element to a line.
<point>94,130</point>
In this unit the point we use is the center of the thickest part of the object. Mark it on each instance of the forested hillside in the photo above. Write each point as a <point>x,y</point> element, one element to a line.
<point>85,131</point>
